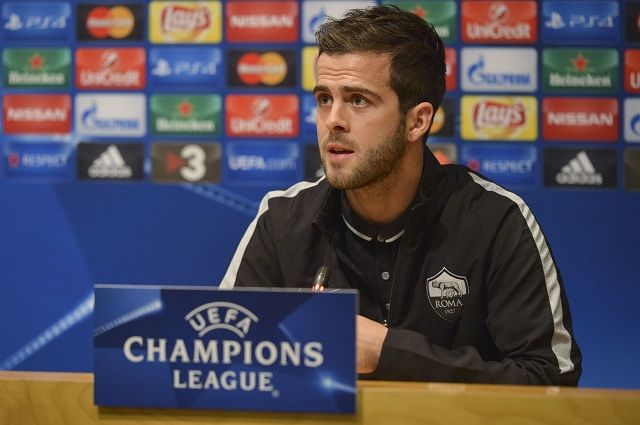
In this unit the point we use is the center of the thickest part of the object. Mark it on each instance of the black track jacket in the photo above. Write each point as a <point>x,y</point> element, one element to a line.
<point>476,296</point>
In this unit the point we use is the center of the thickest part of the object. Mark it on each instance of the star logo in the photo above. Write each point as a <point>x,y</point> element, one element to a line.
<point>36,61</point>
<point>420,11</point>
<point>580,63</point>
<point>185,108</point>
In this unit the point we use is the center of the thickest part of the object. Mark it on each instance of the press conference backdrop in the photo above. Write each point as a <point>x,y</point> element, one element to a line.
<point>138,137</point>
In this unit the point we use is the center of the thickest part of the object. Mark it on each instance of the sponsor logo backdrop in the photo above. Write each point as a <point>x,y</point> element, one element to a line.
<point>137,138</point>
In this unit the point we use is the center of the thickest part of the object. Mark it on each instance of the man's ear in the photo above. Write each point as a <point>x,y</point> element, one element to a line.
<point>418,121</point>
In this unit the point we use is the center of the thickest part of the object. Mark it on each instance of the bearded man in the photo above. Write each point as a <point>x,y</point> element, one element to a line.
<point>456,280</point>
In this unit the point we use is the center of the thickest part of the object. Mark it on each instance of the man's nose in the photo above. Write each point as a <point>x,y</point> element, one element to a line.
<point>337,120</point>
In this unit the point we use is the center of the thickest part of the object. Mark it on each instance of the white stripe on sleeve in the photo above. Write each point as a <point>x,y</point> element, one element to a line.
<point>229,279</point>
<point>561,340</point>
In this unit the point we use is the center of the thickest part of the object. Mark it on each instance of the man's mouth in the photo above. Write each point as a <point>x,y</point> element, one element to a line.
<point>338,149</point>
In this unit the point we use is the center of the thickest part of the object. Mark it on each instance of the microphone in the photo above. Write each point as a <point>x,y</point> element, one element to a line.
<point>321,281</point>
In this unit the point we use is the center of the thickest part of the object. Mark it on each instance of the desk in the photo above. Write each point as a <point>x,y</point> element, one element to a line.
<point>43,398</point>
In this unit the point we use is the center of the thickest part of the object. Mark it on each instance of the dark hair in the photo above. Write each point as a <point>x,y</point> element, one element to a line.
<point>417,72</point>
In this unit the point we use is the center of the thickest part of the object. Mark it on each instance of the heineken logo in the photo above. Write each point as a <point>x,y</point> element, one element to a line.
<point>43,67</point>
<point>441,14</point>
<point>186,114</point>
<point>580,69</point>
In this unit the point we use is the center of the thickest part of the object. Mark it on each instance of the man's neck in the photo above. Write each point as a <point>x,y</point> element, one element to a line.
<point>382,202</point>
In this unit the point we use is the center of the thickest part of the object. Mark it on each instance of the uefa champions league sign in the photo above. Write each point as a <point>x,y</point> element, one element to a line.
<point>201,348</point>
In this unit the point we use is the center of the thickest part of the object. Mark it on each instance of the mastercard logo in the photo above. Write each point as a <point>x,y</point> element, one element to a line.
<point>438,121</point>
<point>268,68</point>
<point>115,22</point>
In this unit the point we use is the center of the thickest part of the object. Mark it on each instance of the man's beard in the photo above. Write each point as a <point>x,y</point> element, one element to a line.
<point>373,165</point>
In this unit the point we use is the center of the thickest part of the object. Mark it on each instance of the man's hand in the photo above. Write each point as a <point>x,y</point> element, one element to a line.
<point>369,339</point>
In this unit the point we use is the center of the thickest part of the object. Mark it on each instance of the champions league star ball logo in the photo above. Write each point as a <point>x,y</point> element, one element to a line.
<point>447,294</point>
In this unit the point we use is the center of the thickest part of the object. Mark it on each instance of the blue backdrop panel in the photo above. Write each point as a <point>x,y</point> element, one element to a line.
<point>62,235</point>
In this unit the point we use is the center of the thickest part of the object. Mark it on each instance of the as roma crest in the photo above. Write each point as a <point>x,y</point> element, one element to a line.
<point>447,294</point>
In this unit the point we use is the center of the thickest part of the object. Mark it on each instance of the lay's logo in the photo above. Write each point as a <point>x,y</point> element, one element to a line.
<point>309,56</point>
<point>185,22</point>
<point>499,118</point>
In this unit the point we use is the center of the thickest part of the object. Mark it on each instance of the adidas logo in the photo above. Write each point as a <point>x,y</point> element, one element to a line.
<point>579,171</point>
<point>110,164</point>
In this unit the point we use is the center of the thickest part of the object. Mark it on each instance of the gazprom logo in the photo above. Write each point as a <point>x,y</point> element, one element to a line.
<point>499,69</point>
<point>632,120</point>
<point>314,14</point>
<point>110,115</point>
<point>221,315</point>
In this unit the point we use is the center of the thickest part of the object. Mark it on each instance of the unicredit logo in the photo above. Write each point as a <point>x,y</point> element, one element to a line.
<point>269,115</point>
<point>262,123</point>
<point>499,21</point>
<point>497,31</point>
<point>110,73</point>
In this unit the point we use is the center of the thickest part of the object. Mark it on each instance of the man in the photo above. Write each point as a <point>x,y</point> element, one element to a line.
<point>456,280</point>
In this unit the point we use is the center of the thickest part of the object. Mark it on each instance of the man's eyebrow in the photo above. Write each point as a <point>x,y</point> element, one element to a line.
<point>348,89</point>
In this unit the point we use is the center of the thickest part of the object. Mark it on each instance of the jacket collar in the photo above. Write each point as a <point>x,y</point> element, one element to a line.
<point>329,218</point>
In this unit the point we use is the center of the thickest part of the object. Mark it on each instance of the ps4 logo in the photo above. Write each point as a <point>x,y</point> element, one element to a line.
<point>579,21</point>
<point>164,69</point>
<point>36,21</point>
<point>185,65</point>
<point>15,23</point>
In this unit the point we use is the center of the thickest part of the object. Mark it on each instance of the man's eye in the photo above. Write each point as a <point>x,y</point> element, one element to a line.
<point>359,101</point>
<point>323,99</point>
